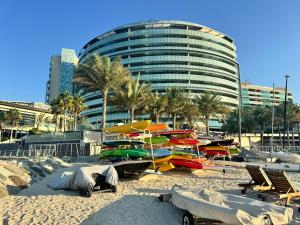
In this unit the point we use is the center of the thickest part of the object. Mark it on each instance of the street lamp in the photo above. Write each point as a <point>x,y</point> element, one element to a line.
<point>285,110</point>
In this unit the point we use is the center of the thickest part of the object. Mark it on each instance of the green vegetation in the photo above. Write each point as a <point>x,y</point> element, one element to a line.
<point>98,73</point>
<point>132,96</point>
<point>210,105</point>
<point>13,118</point>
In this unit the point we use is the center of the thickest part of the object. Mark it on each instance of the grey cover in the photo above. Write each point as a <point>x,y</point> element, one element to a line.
<point>82,177</point>
<point>228,208</point>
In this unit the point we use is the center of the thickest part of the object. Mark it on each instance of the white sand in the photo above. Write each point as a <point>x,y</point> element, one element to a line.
<point>134,203</point>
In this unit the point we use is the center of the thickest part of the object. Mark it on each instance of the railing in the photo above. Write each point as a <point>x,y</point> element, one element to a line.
<point>292,149</point>
<point>35,150</point>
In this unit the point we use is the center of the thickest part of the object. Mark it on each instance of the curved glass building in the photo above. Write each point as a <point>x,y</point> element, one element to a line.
<point>167,54</point>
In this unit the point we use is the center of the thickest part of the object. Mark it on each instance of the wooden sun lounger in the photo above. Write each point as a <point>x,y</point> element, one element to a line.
<point>282,185</point>
<point>259,182</point>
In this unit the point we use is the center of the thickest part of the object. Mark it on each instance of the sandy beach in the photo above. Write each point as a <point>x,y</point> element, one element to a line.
<point>134,203</point>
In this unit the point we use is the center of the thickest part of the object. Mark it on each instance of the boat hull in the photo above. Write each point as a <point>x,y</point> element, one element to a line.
<point>163,166</point>
<point>187,163</point>
<point>131,167</point>
<point>121,153</point>
<point>130,127</point>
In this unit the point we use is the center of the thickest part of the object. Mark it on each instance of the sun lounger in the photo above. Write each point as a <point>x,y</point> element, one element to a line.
<point>259,182</point>
<point>283,187</point>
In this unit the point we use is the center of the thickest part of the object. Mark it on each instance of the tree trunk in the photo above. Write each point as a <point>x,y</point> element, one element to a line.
<point>104,101</point>
<point>65,121</point>
<point>293,134</point>
<point>11,133</point>
<point>157,119</point>
<point>0,135</point>
<point>174,121</point>
<point>75,122</point>
<point>279,132</point>
<point>132,114</point>
<point>261,135</point>
<point>16,133</point>
<point>207,125</point>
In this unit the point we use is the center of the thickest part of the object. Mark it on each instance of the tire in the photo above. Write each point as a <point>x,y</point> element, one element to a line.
<point>114,188</point>
<point>188,219</point>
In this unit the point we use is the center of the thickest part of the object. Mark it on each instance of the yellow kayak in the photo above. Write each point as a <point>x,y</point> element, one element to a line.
<point>163,167</point>
<point>130,127</point>
<point>186,157</point>
<point>162,160</point>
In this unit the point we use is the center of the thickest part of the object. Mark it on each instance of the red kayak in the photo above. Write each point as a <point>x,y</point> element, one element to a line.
<point>171,132</point>
<point>183,141</point>
<point>193,164</point>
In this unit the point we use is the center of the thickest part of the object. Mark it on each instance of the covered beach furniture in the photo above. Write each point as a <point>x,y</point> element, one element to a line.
<point>284,188</point>
<point>259,181</point>
<point>85,178</point>
<point>228,208</point>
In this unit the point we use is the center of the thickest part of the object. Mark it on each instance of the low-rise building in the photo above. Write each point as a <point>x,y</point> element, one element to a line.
<point>256,95</point>
<point>30,112</point>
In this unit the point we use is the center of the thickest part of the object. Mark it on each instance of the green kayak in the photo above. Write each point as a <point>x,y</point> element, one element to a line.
<point>131,153</point>
<point>157,140</point>
<point>234,150</point>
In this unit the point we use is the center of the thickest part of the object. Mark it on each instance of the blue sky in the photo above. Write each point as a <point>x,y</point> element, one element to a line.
<point>266,34</point>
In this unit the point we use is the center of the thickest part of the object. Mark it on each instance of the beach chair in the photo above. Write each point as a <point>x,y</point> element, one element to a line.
<point>283,187</point>
<point>259,182</point>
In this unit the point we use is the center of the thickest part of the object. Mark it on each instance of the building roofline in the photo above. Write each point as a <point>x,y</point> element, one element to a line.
<point>201,27</point>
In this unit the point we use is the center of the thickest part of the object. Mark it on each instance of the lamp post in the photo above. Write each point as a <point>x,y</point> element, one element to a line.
<point>240,107</point>
<point>285,110</point>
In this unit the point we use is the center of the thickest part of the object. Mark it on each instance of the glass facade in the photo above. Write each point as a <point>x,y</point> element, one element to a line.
<point>168,54</point>
<point>254,95</point>
<point>61,74</point>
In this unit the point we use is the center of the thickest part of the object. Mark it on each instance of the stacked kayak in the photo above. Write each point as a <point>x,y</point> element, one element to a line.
<point>188,160</point>
<point>162,159</point>
<point>211,151</point>
<point>127,156</point>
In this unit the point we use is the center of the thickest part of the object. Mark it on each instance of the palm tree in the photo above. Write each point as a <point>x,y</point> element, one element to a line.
<point>175,98</point>
<point>13,116</point>
<point>77,106</point>
<point>97,73</point>
<point>56,111</point>
<point>132,96</point>
<point>210,105</point>
<point>157,106</point>
<point>65,100</point>
<point>2,123</point>
<point>39,120</point>
<point>190,112</point>
<point>261,116</point>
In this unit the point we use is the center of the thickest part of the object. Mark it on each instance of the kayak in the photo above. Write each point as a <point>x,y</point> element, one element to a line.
<point>234,150</point>
<point>131,167</point>
<point>130,127</point>
<point>163,167</point>
<point>193,164</point>
<point>214,150</point>
<point>131,153</point>
<point>116,143</point>
<point>156,140</point>
<point>163,159</point>
<point>159,153</point>
<point>184,141</point>
<point>182,155</point>
<point>173,132</point>
<point>158,126</point>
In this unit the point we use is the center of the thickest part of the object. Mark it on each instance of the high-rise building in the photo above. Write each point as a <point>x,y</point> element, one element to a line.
<point>255,95</point>
<point>168,54</point>
<point>61,73</point>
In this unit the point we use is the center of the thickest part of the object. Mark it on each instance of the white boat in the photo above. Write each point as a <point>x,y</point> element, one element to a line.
<point>282,156</point>
<point>228,208</point>
<point>290,167</point>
